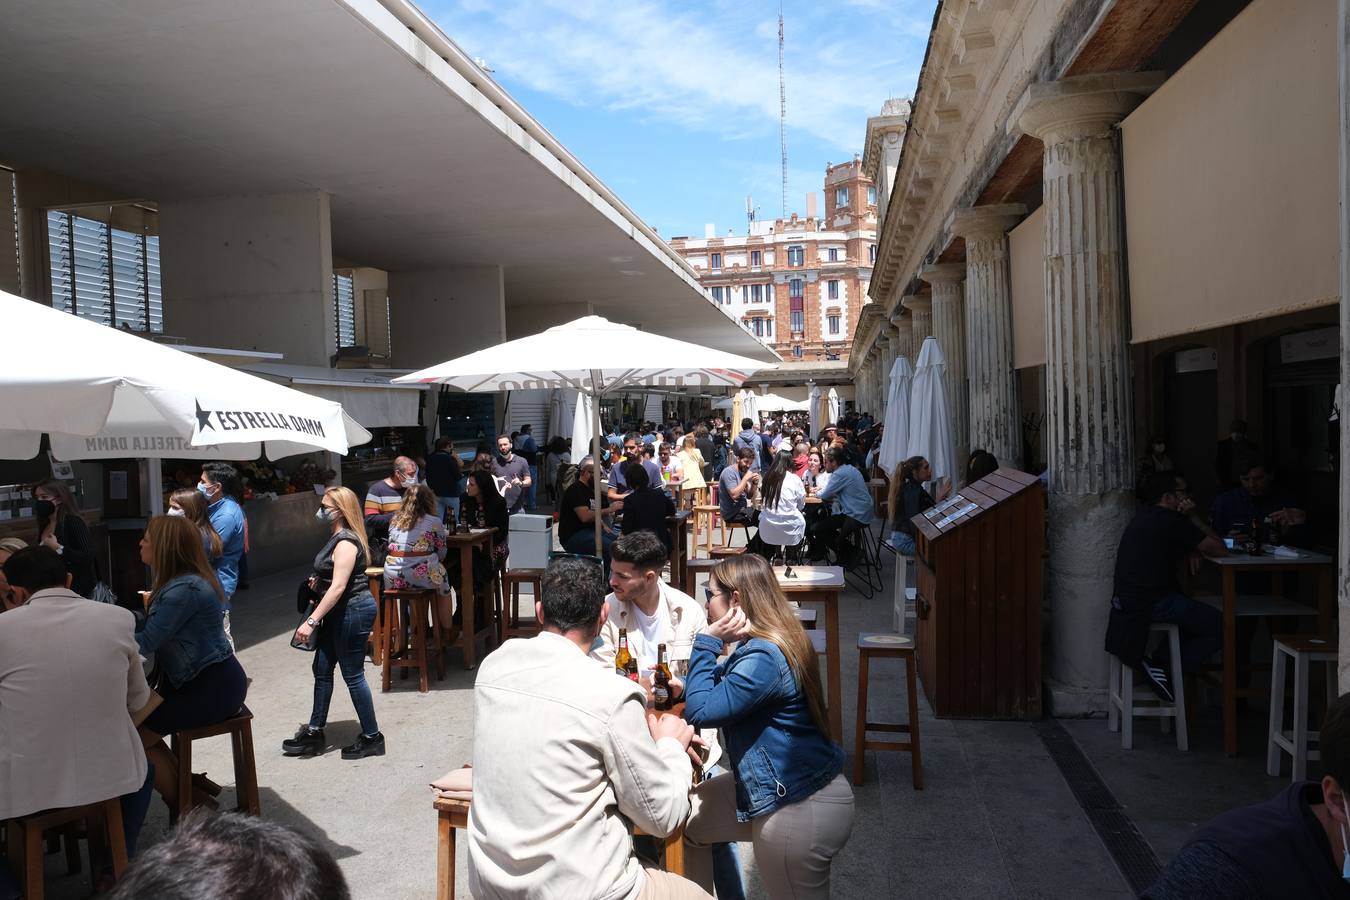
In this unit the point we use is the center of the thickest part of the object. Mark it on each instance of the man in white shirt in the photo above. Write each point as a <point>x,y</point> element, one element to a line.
<point>565,755</point>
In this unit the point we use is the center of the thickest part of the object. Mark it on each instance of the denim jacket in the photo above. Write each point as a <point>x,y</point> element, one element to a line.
<point>185,629</point>
<point>778,753</point>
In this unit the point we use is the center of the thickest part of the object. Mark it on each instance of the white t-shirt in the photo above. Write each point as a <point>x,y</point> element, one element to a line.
<point>652,628</point>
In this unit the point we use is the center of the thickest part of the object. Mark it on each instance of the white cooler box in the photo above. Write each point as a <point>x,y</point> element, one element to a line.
<point>531,541</point>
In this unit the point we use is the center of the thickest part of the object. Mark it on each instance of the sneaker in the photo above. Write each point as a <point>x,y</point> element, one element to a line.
<point>365,746</point>
<point>1156,676</point>
<point>307,742</point>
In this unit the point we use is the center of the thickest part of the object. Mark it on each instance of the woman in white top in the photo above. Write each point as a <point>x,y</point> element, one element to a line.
<point>781,521</point>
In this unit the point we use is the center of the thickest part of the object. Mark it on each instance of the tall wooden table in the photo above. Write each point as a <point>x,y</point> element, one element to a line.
<point>679,539</point>
<point>1324,567</point>
<point>469,631</point>
<point>822,584</point>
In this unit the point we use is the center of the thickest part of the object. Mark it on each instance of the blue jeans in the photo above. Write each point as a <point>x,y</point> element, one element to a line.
<point>343,644</point>
<point>902,542</point>
<point>450,504</point>
<point>1200,624</point>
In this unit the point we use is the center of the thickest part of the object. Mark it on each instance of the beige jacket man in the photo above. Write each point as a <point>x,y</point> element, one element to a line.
<point>562,761</point>
<point>70,678</point>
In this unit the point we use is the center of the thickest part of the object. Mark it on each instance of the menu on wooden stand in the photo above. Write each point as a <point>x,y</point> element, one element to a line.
<point>979,557</point>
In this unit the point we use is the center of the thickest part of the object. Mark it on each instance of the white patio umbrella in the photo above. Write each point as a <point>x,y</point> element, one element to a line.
<point>557,414</point>
<point>930,426</point>
<point>596,357</point>
<point>896,433</point>
<point>777,403</point>
<point>834,407</point>
<point>813,405</point>
<point>584,429</point>
<point>109,394</point>
<point>723,403</point>
<point>750,408</point>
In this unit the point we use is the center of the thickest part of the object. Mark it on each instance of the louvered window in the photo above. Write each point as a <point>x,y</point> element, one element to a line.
<point>344,299</point>
<point>104,274</point>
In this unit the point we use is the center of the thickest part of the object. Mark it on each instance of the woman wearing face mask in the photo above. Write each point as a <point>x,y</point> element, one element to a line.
<point>787,792</point>
<point>191,505</point>
<point>1157,461</point>
<point>343,618</point>
<point>61,527</point>
<point>200,680</point>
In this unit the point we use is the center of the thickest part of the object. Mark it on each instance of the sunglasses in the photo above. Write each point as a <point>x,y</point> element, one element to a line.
<point>709,593</point>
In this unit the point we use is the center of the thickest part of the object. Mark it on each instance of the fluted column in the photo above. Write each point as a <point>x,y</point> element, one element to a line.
<point>920,308</point>
<point>877,393</point>
<point>888,361</point>
<point>995,415</point>
<point>949,327</point>
<point>904,340</point>
<point>1088,415</point>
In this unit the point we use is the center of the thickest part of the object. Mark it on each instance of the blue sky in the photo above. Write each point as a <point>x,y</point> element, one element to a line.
<point>675,105</point>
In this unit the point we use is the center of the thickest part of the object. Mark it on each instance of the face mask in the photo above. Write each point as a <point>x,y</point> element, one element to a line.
<point>204,490</point>
<point>1159,448</point>
<point>175,512</point>
<point>324,514</point>
<point>44,508</point>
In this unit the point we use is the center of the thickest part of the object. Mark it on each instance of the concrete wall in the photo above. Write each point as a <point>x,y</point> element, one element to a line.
<point>1229,170</point>
<point>1026,264</point>
<point>250,272</point>
<point>525,320</point>
<point>439,314</point>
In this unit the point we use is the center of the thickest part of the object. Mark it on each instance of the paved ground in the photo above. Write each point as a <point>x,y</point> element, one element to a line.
<point>996,818</point>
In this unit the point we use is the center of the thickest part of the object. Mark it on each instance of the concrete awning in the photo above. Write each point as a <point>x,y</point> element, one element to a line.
<point>428,163</point>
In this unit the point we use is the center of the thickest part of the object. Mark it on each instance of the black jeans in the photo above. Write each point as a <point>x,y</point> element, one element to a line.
<point>342,643</point>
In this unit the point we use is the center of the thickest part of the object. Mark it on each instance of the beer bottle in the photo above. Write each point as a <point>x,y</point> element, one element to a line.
<point>625,663</point>
<point>661,692</point>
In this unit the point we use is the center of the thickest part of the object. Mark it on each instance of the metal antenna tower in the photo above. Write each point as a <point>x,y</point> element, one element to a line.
<point>782,107</point>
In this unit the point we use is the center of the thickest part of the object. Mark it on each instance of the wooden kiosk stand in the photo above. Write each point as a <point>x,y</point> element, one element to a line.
<point>978,601</point>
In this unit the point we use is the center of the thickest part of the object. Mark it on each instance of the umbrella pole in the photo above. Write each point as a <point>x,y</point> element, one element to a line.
<point>595,470</point>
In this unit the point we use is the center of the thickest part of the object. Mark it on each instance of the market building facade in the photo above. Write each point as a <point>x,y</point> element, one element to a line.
<point>1120,222</point>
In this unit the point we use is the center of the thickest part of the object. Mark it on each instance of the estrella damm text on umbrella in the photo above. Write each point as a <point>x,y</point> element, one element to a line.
<point>253,419</point>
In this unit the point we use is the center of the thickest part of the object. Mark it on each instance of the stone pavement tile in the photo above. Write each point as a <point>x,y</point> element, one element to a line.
<point>933,869</point>
<point>1058,853</point>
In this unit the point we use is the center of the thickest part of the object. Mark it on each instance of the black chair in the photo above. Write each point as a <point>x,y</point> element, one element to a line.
<point>857,554</point>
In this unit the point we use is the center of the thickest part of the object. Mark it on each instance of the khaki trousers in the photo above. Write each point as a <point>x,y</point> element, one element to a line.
<point>661,885</point>
<point>794,844</point>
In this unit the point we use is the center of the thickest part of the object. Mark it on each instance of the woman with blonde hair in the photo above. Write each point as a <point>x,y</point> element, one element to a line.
<point>787,792</point>
<point>200,679</point>
<point>691,460</point>
<point>343,619</point>
<point>416,560</point>
<point>191,505</point>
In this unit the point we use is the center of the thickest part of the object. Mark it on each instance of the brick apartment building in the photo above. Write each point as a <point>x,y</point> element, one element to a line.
<point>799,283</point>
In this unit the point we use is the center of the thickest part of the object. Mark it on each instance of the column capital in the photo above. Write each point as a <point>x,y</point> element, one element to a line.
<point>919,303</point>
<point>994,220</point>
<point>943,273</point>
<point>900,322</point>
<point>1082,106</point>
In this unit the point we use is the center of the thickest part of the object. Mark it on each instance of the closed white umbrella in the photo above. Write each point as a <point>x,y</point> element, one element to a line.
<point>596,357</point>
<point>557,414</point>
<point>583,429</point>
<point>750,409</point>
<point>813,405</point>
<point>930,426</point>
<point>110,394</point>
<point>834,407</point>
<point>896,433</point>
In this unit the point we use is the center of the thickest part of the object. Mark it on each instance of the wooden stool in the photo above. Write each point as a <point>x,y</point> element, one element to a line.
<point>240,729</point>
<point>721,553</point>
<point>808,619</point>
<point>416,628</point>
<point>887,646</point>
<point>692,568</point>
<point>508,621</point>
<point>708,515</point>
<point>103,823</point>
<point>1122,706</point>
<point>693,498</point>
<point>1302,649</point>
<point>731,527</point>
<point>375,575</point>
<point>450,815</point>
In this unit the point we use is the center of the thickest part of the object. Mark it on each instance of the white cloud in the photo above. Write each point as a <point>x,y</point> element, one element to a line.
<point>708,69</point>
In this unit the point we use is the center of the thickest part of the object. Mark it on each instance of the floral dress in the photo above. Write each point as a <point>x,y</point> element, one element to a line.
<point>416,560</point>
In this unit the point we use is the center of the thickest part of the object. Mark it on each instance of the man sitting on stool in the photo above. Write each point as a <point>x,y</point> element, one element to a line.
<point>852,504</point>
<point>737,486</point>
<point>1157,542</point>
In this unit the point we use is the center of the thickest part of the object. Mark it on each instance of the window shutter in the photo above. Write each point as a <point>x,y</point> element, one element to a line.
<point>62,260</point>
<point>344,300</point>
<point>127,268</point>
<point>93,275</point>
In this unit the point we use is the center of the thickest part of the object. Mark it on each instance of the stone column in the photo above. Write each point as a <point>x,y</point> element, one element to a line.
<point>1088,415</point>
<point>920,308</point>
<point>860,382</point>
<point>949,327</point>
<point>995,416</point>
<point>892,352</point>
<point>904,337</point>
<point>878,378</point>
